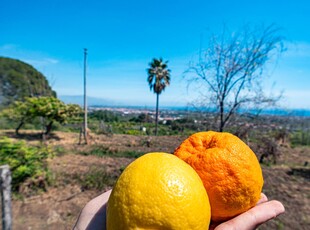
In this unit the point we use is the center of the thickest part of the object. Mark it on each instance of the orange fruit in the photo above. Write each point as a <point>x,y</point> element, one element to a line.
<point>229,170</point>
<point>158,191</point>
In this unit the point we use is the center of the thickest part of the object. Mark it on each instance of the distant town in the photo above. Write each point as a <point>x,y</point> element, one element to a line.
<point>179,112</point>
<point>165,114</point>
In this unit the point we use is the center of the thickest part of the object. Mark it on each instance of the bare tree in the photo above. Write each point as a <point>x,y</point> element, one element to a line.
<point>230,70</point>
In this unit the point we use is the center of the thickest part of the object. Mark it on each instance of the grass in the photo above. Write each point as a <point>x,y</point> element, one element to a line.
<point>102,151</point>
<point>96,178</point>
<point>279,224</point>
<point>58,150</point>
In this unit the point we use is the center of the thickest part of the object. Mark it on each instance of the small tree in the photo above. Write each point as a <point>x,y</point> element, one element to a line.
<point>231,70</point>
<point>50,109</point>
<point>158,79</point>
<point>18,112</point>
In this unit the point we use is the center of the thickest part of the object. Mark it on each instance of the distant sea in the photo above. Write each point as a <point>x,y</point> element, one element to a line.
<point>104,103</point>
<point>270,112</point>
<point>287,112</point>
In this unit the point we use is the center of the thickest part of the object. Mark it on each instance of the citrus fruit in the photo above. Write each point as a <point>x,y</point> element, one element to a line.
<point>158,191</point>
<point>229,170</point>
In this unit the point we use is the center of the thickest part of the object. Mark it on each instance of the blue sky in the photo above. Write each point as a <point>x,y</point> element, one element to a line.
<point>123,36</point>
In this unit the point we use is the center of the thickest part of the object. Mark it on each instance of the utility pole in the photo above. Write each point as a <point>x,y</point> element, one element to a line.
<point>85,99</point>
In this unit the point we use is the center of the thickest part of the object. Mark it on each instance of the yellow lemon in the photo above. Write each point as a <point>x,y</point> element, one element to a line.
<point>158,191</point>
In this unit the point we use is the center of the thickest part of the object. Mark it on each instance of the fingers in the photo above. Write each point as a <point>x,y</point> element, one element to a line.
<point>93,214</point>
<point>254,217</point>
<point>263,199</point>
<point>97,203</point>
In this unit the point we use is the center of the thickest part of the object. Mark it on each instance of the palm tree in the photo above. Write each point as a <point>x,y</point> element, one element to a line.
<point>158,79</point>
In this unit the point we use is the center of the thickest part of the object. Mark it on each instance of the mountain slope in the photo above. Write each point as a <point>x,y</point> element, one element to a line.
<point>19,80</point>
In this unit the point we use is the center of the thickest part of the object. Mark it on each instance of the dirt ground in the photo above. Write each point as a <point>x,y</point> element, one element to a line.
<point>59,206</point>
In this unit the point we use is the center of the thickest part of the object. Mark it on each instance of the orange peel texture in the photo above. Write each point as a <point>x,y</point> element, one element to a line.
<point>229,170</point>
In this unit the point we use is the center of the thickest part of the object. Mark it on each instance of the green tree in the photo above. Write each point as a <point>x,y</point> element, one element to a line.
<point>50,109</point>
<point>104,115</point>
<point>158,79</point>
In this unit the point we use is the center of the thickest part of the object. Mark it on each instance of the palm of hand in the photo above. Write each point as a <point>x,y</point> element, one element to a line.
<point>94,213</point>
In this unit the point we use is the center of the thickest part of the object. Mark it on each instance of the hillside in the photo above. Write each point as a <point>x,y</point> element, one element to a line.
<point>82,172</point>
<point>19,79</point>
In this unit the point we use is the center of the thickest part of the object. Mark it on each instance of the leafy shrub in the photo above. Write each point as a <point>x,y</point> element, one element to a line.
<point>133,132</point>
<point>145,118</point>
<point>300,137</point>
<point>26,162</point>
<point>104,115</point>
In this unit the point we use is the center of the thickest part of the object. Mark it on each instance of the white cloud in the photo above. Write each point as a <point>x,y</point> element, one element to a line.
<point>51,60</point>
<point>41,62</point>
<point>36,58</point>
<point>297,99</point>
<point>297,49</point>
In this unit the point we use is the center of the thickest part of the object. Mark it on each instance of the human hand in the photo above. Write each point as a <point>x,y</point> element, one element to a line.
<point>93,215</point>
<point>263,211</point>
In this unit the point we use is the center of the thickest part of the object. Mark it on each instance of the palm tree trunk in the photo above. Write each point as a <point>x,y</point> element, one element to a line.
<point>156,118</point>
